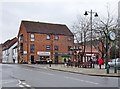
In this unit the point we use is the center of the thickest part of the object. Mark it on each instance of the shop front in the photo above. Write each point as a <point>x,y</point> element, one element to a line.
<point>59,57</point>
<point>43,57</point>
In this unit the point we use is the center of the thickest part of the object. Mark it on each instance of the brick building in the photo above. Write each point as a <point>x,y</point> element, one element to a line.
<point>40,41</point>
<point>0,53</point>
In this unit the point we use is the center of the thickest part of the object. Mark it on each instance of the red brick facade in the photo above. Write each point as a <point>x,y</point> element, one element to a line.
<point>0,53</point>
<point>40,42</point>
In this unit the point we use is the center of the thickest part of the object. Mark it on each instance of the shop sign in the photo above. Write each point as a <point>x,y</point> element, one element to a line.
<point>61,53</point>
<point>43,53</point>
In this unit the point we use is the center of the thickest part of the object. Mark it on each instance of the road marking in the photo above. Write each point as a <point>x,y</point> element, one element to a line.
<point>46,73</point>
<point>40,72</point>
<point>23,84</point>
<point>7,81</point>
<point>80,80</point>
<point>28,69</point>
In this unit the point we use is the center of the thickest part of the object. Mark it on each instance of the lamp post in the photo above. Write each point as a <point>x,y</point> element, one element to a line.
<point>96,15</point>
<point>111,35</point>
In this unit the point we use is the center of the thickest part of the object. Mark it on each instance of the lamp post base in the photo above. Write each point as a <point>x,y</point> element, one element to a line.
<point>115,70</point>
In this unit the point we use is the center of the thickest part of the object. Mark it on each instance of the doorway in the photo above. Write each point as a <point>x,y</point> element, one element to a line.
<point>32,59</point>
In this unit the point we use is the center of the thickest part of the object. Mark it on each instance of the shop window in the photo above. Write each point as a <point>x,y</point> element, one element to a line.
<point>48,47</point>
<point>32,37</point>
<point>56,37</point>
<point>55,47</point>
<point>32,48</point>
<point>48,37</point>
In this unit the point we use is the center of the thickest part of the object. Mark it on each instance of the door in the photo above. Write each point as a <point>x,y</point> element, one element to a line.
<point>56,59</point>
<point>32,59</point>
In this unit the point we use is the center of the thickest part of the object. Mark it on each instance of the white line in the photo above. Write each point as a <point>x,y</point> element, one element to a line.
<point>46,73</point>
<point>27,85</point>
<point>8,81</point>
<point>80,80</point>
<point>28,69</point>
<point>41,72</point>
<point>21,86</point>
<point>24,83</point>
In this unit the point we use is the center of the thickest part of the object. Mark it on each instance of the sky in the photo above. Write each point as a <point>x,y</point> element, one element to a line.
<point>12,12</point>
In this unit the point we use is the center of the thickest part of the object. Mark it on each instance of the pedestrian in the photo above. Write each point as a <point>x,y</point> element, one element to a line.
<point>69,62</point>
<point>65,61</point>
<point>100,62</point>
<point>94,62</point>
<point>90,62</point>
<point>49,61</point>
<point>13,60</point>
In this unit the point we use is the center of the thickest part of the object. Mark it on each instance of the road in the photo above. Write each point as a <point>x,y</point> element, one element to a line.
<point>16,75</point>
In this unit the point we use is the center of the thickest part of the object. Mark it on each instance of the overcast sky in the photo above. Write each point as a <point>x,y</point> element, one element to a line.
<point>53,11</point>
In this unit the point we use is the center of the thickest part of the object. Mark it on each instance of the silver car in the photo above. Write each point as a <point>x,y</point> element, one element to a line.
<point>113,62</point>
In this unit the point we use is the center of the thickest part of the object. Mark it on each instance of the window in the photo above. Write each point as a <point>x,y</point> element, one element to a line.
<point>32,48</point>
<point>48,37</point>
<point>32,37</point>
<point>55,47</point>
<point>69,38</point>
<point>21,48</point>
<point>56,37</point>
<point>48,47</point>
<point>21,37</point>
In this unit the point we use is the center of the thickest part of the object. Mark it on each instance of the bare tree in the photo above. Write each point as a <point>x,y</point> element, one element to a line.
<point>81,32</point>
<point>101,29</point>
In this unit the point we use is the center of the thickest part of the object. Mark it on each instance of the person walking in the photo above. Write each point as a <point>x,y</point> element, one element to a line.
<point>49,61</point>
<point>65,62</point>
<point>91,62</point>
<point>94,62</point>
<point>100,62</point>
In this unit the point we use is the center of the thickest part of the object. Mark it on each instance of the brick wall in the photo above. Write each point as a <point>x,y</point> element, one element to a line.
<point>0,53</point>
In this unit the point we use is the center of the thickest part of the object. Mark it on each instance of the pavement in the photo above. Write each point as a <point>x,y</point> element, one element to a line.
<point>85,71</point>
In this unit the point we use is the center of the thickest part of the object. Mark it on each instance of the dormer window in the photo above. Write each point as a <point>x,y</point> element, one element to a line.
<point>69,38</point>
<point>48,37</point>
<point>56,37</point>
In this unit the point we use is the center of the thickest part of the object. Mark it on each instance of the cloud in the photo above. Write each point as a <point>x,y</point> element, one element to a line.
<point>55,11</point>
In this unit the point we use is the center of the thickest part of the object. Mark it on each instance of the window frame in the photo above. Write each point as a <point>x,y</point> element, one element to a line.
<point>48,47</point>
<point>47,37</point>
<point>32,37</point>
<point>32,48</point>
<point>56,47</point>
<point>56,37</point>
<point>69,38</point>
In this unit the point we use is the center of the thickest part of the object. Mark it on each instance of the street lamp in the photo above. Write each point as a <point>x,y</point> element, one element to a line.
<point>96,15</point>
<point>110,36</point>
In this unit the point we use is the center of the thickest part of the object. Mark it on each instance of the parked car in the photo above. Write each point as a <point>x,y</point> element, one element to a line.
<point>112,63</point>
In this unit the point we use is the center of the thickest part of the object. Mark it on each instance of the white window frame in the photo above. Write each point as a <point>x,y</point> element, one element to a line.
<point>56,37</point>
<point>48,37</point>
<point>32,37</point>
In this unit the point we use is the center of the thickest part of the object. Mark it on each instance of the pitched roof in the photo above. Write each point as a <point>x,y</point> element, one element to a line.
<point>9,43</point>
<point>46,28</point>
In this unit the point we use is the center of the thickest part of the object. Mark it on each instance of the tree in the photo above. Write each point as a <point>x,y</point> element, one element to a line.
<point>101,29</point>
<point>81,33</point>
